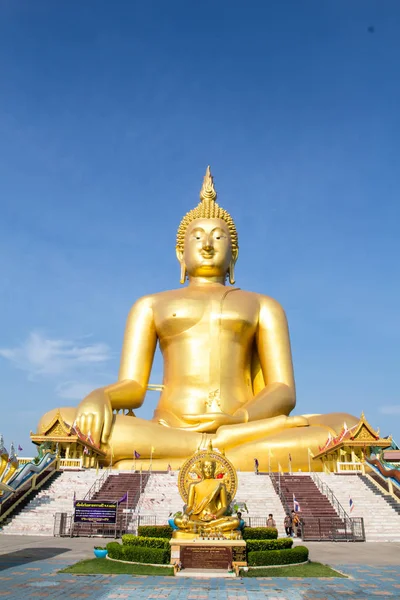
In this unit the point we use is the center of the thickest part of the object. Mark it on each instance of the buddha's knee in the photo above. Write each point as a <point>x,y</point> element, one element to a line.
<point>235,523</point>
<point>180,523</point>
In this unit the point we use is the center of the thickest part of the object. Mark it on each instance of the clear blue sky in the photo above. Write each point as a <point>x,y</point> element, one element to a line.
<point>109,114</point>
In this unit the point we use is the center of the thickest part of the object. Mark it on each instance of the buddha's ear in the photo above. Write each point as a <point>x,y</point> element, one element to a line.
<point>179,256</point>
<point>231,268</point>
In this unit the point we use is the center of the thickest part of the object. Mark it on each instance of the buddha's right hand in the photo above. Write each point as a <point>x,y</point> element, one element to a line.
<point>94,416</point>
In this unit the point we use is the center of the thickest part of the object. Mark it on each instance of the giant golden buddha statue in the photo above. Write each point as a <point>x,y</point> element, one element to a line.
<point>228,372</point>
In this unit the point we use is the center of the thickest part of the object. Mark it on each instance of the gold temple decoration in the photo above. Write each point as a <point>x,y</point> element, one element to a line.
<point>348,450</point>
<point>191,472</point>
<point>71,443</point>
<point>207,209</point>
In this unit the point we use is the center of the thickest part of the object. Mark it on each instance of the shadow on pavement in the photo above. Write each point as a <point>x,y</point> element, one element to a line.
<point>28,555</point>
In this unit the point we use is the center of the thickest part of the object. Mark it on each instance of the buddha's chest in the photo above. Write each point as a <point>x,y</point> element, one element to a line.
<point>206,313</point>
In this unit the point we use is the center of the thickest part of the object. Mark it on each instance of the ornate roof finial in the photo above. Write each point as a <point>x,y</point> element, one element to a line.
<point>207,191</point>
<point>13,455</point>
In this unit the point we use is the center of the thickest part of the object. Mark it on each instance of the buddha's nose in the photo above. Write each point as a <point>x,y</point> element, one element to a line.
<point>208,243</point>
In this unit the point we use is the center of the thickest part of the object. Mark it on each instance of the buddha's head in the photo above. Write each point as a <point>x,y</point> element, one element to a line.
<point>207,241</point>
<point>208,466</point>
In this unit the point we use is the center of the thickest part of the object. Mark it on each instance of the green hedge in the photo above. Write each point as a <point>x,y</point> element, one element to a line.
<point>255,545</point>
<point>287,556</point>
<point>114,550</point>
<point>260,533</point>
<point>140,554</point>
<point>155,531</point>
<point>149,542</point>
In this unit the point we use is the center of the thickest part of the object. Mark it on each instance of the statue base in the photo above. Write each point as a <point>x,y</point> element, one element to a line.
<point>199,554</point>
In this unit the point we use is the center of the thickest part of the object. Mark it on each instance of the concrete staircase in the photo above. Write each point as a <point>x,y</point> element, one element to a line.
<point>381,521</point>
<point>37,517</point>
<point>316,511</point>
<point>161,497</point>
<point>395,504</point>
<point>261,499</point>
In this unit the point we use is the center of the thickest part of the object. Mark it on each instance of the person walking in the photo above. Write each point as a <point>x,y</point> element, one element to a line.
<point>288,525</point>
<point>271,521</point>
<point>256,466</point>
<point>296,523</point>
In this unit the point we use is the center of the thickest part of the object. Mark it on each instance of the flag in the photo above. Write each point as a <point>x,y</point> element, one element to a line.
<point>20,448</point>
<point>351,504</point>
<point>136,454</point>
<point>124,498</point>
<point>296,505</point>
<point>290,458</point>
<point>152,449</point>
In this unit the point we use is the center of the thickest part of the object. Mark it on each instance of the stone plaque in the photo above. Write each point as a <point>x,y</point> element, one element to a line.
<point>206,557</point>
<point>239,554</point>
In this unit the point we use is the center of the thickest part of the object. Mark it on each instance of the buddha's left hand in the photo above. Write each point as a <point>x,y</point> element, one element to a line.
<point>209,422</point>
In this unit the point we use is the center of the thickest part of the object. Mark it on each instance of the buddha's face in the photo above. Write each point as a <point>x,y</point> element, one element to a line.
<point>208,469</point>
<point>208,248</point>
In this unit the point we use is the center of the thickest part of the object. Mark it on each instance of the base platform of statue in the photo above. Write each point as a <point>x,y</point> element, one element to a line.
<point>196,553</point>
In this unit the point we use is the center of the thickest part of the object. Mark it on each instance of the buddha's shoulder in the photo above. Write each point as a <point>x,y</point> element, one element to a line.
<point>265,302</point>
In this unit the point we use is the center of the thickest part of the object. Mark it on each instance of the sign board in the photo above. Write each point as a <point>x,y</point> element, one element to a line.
<point>206,557</point>
<point>92,511</point>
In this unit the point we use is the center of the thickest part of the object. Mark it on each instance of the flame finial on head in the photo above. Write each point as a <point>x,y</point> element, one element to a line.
<point>207,191</point>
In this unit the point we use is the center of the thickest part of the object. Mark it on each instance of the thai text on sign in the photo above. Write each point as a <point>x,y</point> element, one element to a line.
<point>90,511</point>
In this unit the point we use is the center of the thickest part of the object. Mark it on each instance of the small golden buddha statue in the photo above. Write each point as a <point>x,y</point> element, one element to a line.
<point>228,372</point>
<point>207,504</point>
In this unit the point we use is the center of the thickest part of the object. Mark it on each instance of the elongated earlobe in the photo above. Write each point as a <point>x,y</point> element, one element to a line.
<point>183,272</point>
<point>231,272</point>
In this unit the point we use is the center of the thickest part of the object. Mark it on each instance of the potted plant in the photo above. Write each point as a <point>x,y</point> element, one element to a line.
<point>100,552</point>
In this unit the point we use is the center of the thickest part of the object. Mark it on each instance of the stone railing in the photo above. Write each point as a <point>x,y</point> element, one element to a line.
<point>65,463</point>
<point>345,467</point>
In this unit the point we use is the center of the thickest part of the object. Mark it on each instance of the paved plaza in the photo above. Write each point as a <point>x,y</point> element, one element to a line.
<point>29,569</point>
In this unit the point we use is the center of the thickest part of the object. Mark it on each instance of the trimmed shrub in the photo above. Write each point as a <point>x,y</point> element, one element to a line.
<point>115,550</point>
<point>262,558</point>
<point>149,542</point>
<point>142,554</point>
<point>256,545</point>
<point>155,531</point>
<point>260,533</point>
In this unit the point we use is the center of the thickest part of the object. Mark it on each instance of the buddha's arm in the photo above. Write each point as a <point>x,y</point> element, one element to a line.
<point>224,503</point>
<point>273,346</point>
<point>94,413</point>
<point>137,356</point>
<point>190,500</point>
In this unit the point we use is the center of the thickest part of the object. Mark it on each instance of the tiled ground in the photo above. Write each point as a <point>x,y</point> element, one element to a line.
<point>39,579</point>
